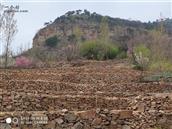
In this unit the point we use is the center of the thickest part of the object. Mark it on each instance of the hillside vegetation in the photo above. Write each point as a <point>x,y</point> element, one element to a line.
<point>84,35</point>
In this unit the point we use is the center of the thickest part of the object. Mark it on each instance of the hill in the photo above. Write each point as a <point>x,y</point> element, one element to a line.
<point>88,25</point>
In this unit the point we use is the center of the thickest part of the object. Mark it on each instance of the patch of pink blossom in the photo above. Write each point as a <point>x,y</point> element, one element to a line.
<point>23,62</point>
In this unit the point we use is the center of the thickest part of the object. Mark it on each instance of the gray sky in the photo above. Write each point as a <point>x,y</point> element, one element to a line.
<point>40,12</point>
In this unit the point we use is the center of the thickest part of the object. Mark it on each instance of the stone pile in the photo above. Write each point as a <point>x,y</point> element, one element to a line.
<point>92,119</point>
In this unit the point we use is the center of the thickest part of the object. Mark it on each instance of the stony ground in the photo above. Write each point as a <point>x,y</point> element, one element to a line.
<point>84,95</point>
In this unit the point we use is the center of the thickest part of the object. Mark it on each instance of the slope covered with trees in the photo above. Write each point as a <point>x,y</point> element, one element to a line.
<point>93,36</point>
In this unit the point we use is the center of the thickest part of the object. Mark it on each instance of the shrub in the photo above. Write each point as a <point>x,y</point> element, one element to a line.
<point>52,41</point>
<point>141,57</point>
<point>161,65</point>
<point>88,49</point>
<point>158,76</point>
<point>72,38</point>
<point>111,51</point>
<point>71,52</point>
<point>23,62</point>
<point>98,51</point>
<point>11,62</point>
<point>122,55</point>
<point>142,49</point>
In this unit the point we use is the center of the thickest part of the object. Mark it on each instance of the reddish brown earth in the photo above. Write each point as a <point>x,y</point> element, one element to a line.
<point>99,94</point>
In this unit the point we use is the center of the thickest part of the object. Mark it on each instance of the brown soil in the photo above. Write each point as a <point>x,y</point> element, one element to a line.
<point>111,85</point>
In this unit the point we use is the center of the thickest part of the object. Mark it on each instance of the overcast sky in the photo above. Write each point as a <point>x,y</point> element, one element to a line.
<point>40,12</point>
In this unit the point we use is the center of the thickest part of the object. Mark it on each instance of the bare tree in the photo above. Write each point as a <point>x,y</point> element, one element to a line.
<point>1,23</point>
<point>1,16</point>
<point>9,29</point>
<point>1,20</point>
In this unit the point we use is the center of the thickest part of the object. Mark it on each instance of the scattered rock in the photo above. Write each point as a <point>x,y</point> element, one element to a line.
<point>70,117</point>
<point>141,107</point>
<point>126,114</point>
<point>78,125</point>
<point>126,127</point>
<point>90,114</point>
<point>98,110</point>
<point>97,121</point>
<point>59,121</point>
<point>64,110</point>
